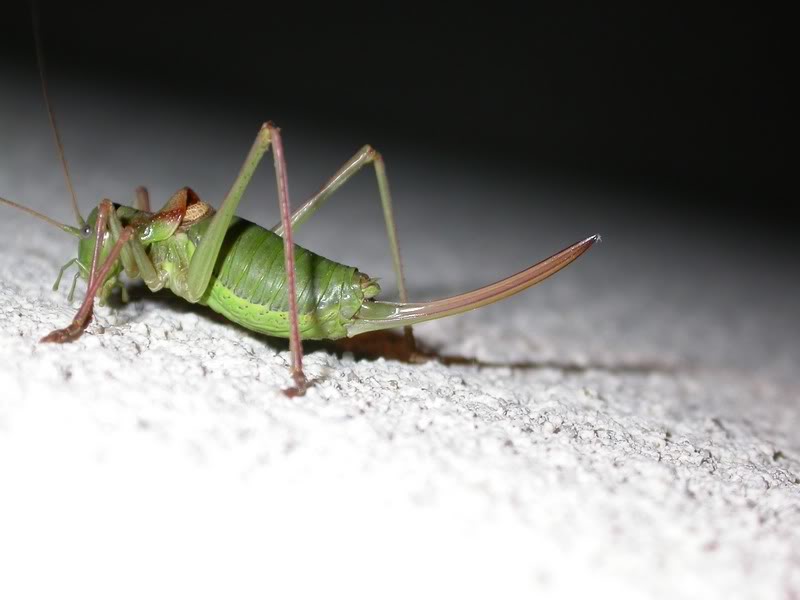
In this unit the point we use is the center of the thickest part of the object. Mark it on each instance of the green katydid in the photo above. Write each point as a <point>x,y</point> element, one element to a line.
<point>253,276</point>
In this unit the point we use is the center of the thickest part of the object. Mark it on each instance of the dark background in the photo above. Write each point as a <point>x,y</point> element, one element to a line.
<point>681,101</point>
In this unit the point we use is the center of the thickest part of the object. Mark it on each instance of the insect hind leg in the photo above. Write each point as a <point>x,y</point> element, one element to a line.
<point>205,256</point>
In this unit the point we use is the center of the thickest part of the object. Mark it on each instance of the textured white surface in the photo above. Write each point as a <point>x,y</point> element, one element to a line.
<point>647,448</point>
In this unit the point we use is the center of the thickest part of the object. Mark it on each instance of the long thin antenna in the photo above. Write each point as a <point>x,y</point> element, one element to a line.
<point>68,228</point>
<point>51,114</point>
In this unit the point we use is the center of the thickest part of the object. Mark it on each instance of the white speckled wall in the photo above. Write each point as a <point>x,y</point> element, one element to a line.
<point>647,448</point>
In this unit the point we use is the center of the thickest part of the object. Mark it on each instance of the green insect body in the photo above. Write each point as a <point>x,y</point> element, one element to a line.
<point>248,279</point>
<point>248,286</point>
<point>248,282</point>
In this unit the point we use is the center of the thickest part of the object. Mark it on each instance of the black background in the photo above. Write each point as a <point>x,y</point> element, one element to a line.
<point>684,101</point>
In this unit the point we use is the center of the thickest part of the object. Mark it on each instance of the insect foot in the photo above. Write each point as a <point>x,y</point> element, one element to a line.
<point>61,336</point>
<point>300,385</point>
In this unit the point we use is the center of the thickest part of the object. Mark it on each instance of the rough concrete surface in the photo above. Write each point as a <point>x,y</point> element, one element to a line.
<point>630,430</point>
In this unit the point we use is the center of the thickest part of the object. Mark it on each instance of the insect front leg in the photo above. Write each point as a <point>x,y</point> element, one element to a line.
<point>97,277</point>
<point>366,155</point>
<point>205,256</point>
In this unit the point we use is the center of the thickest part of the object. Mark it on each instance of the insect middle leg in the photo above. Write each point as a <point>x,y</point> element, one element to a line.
<point>366,155</point>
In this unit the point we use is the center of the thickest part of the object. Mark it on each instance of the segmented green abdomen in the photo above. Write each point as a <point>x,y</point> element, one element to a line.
<point>249,286</point>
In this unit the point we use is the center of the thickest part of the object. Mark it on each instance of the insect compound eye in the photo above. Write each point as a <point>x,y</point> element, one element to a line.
<point>86,231</point>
